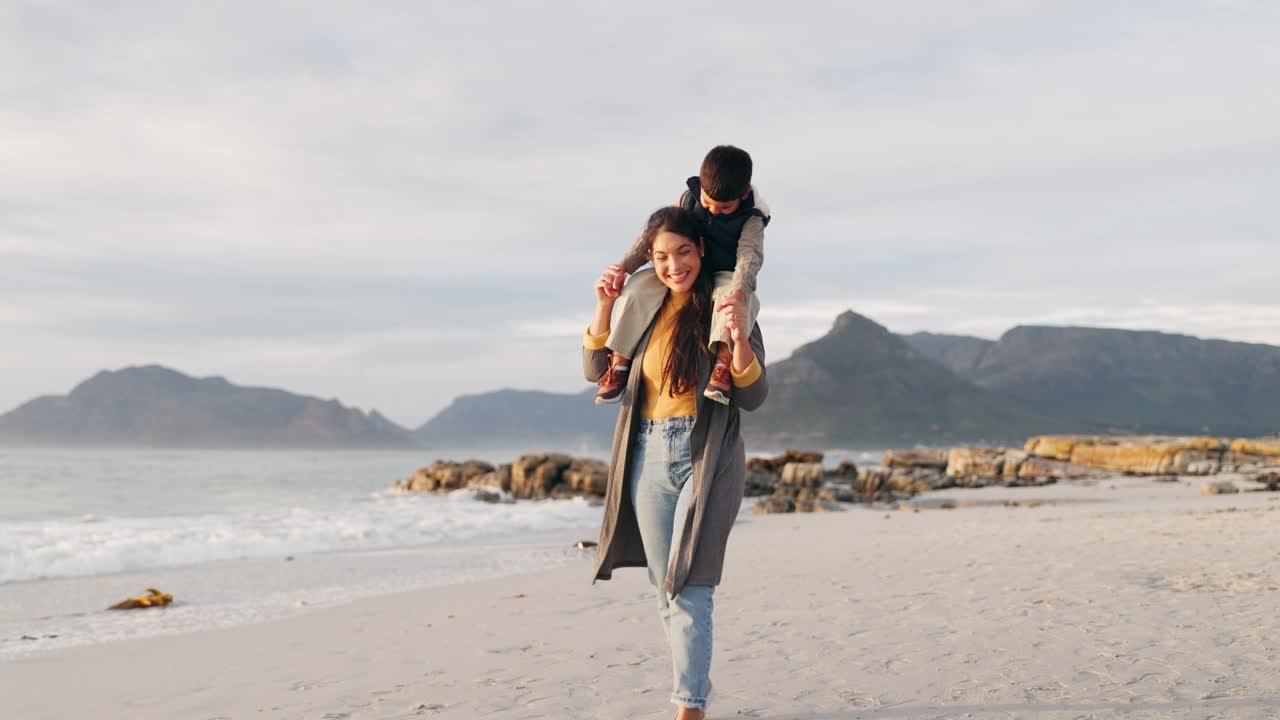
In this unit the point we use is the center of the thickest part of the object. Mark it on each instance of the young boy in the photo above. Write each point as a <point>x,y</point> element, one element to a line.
<point>733,220</point>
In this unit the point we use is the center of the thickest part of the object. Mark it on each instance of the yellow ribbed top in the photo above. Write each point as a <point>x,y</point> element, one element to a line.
<point>655,402</point>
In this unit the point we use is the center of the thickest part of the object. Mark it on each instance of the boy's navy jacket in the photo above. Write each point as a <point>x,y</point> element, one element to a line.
<point>735,242</point>
<point>721,232</point>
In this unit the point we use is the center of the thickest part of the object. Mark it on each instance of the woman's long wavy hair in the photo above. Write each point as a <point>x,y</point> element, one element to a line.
<point>693,321</point>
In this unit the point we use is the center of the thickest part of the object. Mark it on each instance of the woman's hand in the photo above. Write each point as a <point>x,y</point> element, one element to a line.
<point>734,309</point>
<point>610,284</point>
<point>607,288</point>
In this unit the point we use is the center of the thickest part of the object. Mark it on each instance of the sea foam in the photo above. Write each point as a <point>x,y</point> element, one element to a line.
<point>101,544</point>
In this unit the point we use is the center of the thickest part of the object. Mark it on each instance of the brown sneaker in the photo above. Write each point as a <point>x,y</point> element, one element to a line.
<point>614,380</point>
<point>721,382</point>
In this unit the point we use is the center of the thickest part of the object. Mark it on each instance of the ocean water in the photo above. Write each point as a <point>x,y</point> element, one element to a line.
<point>243,536</point>
<point>70,513</point>
<point>248,536</point>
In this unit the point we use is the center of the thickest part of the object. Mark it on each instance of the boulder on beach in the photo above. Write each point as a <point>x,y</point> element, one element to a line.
<point>534,476</point>
<point>443,475</point>
<point>883,483</point>
<point>760,482</point>
<point>846,469</point>
<point>1042,471</point>
<point>913,481</point>
<point>923,457</point>
<point>1013,460</point>
<point>1222,487</point>
<point>766,474</point>
<point>499,478</point>
<point>871,479</point>
<point>1233,461</point>
<point>802,474</point>
<point>976,466</point>
<point>1270,481</point>
<point>1054,447</point>
<point>806,501</point>
<point>586,476</point>
<point>1138,455</point>
<point>775,464</point>
<point>1264,446</point>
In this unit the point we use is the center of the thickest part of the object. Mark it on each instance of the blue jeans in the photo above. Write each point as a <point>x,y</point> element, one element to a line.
<point>661,490</point>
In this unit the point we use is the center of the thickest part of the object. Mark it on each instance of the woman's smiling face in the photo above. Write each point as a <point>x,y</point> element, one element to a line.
<point>677,260</point>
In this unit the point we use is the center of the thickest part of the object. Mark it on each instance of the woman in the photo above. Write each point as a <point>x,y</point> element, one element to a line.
<point>678,464</point>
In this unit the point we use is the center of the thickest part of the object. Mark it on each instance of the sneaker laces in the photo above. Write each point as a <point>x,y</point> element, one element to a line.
<point>610,374</point>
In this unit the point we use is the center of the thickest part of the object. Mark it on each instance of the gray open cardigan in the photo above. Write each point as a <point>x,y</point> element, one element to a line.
<point>719,474</point>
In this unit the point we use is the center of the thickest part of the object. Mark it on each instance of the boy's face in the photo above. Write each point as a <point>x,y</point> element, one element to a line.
<point>721,207</point>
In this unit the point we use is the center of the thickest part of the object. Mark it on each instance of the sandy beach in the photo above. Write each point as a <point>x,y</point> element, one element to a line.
<point>1125,598</point>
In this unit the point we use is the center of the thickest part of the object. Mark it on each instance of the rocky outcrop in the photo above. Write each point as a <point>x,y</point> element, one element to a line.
<point>803,475</point>
<point>1268,447</point>
<point>975,467</point>
<point>498,479</point>
<point>1043,471</point>
<point>586,477</point>
<point>1270,481</point>
<point>846,469</point>
<point>1137,455</point>
<point>791,498</point>
<point>443,476</point>
<point>799,483</point>
<point>534,476</point>
<point>1054,447</point>
<point>765,474</point>
<point>775,464</point>
<point>1233,461</point>
<point>537,476</point>
<point>759,482</point>
<point>925,457</point>
<point>796,481</point>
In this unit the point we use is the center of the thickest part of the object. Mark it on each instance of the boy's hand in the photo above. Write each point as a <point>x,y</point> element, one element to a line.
<point>731,297</point>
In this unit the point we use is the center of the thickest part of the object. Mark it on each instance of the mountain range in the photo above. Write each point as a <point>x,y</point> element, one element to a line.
<point>863,386</point>
<point>154,406</point>
<point>859,385</point>
<point>1122,380</point>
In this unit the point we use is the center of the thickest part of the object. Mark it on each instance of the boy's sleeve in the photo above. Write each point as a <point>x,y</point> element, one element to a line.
<point>638,254</point>
<point>751,249</point>
<point>750,255</point>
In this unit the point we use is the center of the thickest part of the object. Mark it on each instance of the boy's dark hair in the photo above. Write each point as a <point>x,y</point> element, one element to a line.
<point>726,173</point>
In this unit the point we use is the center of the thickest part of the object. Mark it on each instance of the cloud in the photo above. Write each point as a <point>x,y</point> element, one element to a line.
<point>399,205</point>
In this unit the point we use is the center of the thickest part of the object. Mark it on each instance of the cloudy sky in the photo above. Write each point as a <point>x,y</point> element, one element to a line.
<point>397,203</point>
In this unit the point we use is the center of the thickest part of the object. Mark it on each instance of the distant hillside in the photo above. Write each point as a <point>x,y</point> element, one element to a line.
<point>1125,380</point>
<point>862,386</point>
<point>154,406</point>
<point>958,353</point>
<point>521,418</point>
